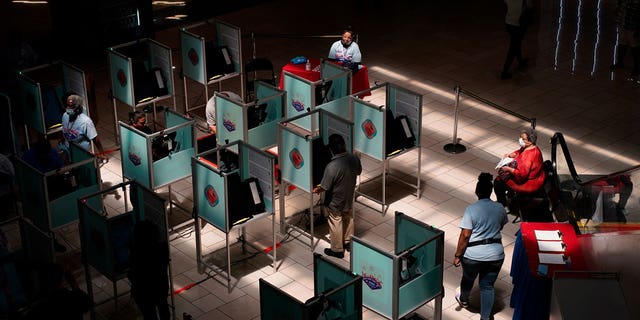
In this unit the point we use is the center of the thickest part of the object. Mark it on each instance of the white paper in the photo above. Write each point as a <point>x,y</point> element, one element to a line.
<point>551,258</point>
<point>503,162</point>
<point>548,235</point>
<point>556,246</point>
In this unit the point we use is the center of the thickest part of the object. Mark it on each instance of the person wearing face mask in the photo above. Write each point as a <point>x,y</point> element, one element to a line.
<point>526,174</point>
<point>346,51</point>
<point>79,128</point>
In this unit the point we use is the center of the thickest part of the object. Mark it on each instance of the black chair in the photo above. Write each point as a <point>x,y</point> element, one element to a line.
<point>258,69</point>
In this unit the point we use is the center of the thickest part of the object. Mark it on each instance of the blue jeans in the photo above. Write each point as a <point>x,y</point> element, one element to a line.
<point>488,271</point>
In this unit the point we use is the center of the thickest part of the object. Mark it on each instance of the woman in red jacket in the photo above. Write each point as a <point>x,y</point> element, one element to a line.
<point>525,174</point>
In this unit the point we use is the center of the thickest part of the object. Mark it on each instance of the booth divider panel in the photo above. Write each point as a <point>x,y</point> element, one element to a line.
<point>376,269</point>
<point>339,107</point>
<point>296,164</point>
<point>172,168</point>
<point>210,196</point>
<point>229,120</point>
<point>33,186</point>
<point>74,81</point>
<point>419,291</point>
<point>135,158</point>
<point>260,166</point>
<point>153,208</point>
<point>299,100</point>
<point>160,57</point>
<point>95,233</point>
<point>193,56</point>
<point>37,245</point>
<point>332,124</point>
<point>121,78</point>
<point>229,36</point>
<point>341,81</point>
<point>276,304</point>
<point>369,135</point>
<point>31,104</point>
<point>64,210</point>
<point>404,102</point>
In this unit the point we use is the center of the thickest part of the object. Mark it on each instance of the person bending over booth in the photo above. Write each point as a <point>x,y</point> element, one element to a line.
<point>338,184</point>
<point>210,109</point>
<point>346,51</point>
<point>525,175</point>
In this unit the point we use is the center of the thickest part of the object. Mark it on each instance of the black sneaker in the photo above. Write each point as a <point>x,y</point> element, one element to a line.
<point>332,253</point>
<point>463,304</point>
<point>506,75</point>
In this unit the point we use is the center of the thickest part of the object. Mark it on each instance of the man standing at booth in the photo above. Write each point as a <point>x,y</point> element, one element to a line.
<point>338,184</point>
<point>79,128</point>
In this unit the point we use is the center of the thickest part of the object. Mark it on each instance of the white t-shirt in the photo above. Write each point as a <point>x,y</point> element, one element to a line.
<point>80,131</point>
<point>210,109</point>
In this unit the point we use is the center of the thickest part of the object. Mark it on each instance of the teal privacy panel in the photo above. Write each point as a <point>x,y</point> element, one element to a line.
<point>229,120</point>
<point>31,104</point>
<point>265,135</point>
<point>33,186</point>
<point>64,209</point>
<point>296,166</point>
<point>193,56</point>
<point>135,156</point>
<point>376,268</point>
<point>369,133</point>
<point>160,56</point>
<point>340,81</point>
<point>298,99</point>
<point>209,194</point>
<point>276,304</point>
<point>121,77</point>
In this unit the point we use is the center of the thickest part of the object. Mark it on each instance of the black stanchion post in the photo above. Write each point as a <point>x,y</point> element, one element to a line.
<point>455,147</point>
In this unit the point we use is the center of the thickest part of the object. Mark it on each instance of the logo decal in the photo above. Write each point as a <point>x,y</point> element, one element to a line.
<point>211,195</point>
<point>122,78</point>
<point>296,158</point>
<point>229,125</point>
<point>369,129</point>
<point>193,56</point>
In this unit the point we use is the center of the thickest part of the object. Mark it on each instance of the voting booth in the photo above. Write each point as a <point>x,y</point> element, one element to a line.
<point>396,284</point>
<point>386,132</point>
<point>337,294</point>
<point>303,95</point>
<point>303,155</point>
<point>42,90</point>
<point>231,194</point>
<point>161,158</point>
<point>106,235</point>
<point>49,198</point>
<point>254,122</point>
<point>141,75</point>
<point>211,54</point>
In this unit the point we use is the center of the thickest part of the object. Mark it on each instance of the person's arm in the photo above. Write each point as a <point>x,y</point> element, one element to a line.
<point>463,242</point>
<point>332,51</point>
<point>356,58</point>
<point>318,189</point>
<point>100,154</point>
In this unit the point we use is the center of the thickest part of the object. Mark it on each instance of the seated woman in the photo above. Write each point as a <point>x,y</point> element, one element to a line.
<point>346,51</point>
<point>525,175</point>
<point>138,120</point>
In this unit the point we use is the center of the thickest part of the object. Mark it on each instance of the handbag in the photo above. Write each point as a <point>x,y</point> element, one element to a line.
<point>526,16</point>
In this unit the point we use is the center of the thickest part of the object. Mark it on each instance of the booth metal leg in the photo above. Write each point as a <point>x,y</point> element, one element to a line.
<point>228,264</point>
<point>186,100</point>
<point>437,308</point>
<point>281,195</point>
<point>311,218</point>
<point>419,172</point>
<point>115,121</point>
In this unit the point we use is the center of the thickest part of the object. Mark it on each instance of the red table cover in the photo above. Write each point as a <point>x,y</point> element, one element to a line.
<point>359,80</point>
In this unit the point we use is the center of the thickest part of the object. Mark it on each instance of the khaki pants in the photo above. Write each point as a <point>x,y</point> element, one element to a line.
<point>340,228</point>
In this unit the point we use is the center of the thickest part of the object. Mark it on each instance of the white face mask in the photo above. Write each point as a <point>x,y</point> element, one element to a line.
<point>521,142</point>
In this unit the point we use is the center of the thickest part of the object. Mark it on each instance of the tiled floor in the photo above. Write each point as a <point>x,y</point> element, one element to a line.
<point>428,47</point>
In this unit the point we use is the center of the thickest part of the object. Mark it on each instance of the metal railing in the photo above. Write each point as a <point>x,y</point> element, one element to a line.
<point>454,146</point>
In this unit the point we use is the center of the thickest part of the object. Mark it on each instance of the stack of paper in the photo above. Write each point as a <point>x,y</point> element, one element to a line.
<point>550,247</point>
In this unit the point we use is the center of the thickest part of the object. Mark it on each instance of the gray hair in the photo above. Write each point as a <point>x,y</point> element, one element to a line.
<point>76,100</point>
